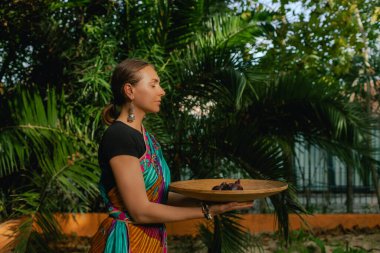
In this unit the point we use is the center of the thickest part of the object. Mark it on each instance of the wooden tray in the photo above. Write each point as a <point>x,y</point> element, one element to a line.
<point>253,189</point>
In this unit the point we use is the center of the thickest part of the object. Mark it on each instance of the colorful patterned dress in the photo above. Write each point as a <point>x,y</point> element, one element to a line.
<point>118,233</point>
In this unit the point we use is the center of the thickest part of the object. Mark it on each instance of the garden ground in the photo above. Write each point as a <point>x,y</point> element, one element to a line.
<point>337,240</point>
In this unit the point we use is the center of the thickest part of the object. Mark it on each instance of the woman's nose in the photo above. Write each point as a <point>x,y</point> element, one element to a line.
<point>162,92</point>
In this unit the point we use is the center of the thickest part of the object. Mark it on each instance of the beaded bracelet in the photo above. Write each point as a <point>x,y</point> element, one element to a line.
<point>206,211</point>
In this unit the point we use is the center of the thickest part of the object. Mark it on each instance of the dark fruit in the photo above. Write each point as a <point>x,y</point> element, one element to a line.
<point>224,186</point>
<point>216,187</point>
<point>231,186</point>
<point>236,187</point>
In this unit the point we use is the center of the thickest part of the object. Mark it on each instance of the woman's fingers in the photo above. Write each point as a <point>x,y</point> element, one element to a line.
<point>242,205</point>
<point>236,206</point>
<point>249,203</point>
<point>222,208</point>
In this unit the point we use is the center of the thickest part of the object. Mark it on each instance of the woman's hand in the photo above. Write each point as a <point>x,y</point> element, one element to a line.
<point>216,209</point>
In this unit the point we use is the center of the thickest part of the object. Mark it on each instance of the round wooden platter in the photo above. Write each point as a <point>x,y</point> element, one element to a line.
<point>252,189</point>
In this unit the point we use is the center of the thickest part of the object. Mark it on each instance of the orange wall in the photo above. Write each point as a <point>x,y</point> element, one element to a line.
<point>86,224</point>
<point>258,223</point>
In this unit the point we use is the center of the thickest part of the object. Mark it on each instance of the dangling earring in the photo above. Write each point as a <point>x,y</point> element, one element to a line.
<point>131,113</point>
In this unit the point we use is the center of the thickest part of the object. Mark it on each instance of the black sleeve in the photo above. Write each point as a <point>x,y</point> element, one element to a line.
<point>117,142</point>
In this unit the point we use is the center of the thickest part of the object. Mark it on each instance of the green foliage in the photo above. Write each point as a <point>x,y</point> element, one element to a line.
<point>304,242</point>
<point>58,172</point>
<point>225,110</point>
<point>225,234</point>
<point>349,250</point>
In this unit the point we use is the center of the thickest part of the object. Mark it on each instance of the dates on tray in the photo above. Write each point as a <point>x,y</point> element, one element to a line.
<point>231,186</point>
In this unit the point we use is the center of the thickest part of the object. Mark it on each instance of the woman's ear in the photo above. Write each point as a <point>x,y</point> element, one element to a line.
<point>129,91</point>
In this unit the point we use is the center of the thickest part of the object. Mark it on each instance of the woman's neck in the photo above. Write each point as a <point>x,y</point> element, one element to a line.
<point>137,123</point>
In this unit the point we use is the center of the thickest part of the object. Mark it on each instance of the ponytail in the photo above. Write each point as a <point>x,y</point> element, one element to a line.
<point>109,114</point>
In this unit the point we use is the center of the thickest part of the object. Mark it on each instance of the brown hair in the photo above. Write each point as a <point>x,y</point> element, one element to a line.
<point>125,72</point>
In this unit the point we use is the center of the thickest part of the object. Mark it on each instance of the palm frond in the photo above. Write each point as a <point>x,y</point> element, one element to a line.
<point>227,236</point>
<point>59,173</point>
<point>35,233</point>
<point>13,154</point>
<point>229,31</point>
<point>14,135</point>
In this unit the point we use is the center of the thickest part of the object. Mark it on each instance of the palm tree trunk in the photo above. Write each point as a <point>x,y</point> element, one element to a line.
<point>368,70</point>
<point>309,183</point>
<point>350,189</point>
<point>282,34</point>
<point>365,40</point>
<point>375,179</point>
<point>217,241</point>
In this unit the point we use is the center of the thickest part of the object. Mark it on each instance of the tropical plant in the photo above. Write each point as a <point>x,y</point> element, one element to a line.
<point>47,165</point>
<point>223,109</point>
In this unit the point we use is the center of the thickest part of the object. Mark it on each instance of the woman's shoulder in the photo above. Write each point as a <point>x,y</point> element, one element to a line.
<point>120,131</point>
<point>121,139</point>
<point>119,127</point>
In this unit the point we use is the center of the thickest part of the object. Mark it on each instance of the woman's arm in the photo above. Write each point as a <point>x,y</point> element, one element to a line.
<point>130,183</point>
<point>176,199</point>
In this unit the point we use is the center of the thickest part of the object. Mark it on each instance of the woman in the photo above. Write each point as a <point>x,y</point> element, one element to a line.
<point>135,177</point>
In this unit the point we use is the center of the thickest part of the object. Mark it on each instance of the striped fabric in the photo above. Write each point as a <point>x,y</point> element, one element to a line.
<point>118,233</point>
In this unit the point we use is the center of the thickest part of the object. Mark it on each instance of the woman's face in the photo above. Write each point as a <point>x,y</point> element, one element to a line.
<point>148,92</point>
